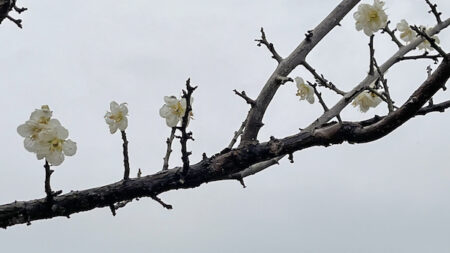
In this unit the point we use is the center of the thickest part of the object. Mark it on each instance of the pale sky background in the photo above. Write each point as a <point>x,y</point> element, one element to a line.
<point>76,56</point>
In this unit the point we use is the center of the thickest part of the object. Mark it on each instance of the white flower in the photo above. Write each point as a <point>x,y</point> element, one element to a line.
<point>406,33</point>
<point>30,130</point>
<point>365,100</point>
<point>370,18</point>
<point>426,44</point>
<point>46,137</point>
<point>305,91</point>
<point>52,145</point>
<point>117,117</point>
<point>174,110</point>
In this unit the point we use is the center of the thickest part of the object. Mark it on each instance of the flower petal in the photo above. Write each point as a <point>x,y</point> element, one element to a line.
<point>69,147</point>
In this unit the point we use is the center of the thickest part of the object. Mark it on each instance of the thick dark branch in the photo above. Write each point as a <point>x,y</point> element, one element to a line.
<point>126,162</point>
<point>263,41</point>
<point>222,165</point>
<point>434,10</point>
<point>392,34</point>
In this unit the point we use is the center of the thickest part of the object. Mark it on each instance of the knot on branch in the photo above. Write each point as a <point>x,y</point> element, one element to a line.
<point>308,35</point>
<point>275,145</point>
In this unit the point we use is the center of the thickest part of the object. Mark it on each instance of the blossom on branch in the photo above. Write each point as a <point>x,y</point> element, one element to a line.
<point>46,137</point>
<point>365,100</point>
<point>53,145</point>
<point>174,110</point>
<point>426,45</point>
<point>117,117</point>
<point>305,91</point>
<point>406,33</point>
<point>370,18</point>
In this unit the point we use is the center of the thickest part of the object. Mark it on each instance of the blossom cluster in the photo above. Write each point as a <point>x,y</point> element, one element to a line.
<point>371,18</point>
<point>407,35</point>
<point>46,137</point>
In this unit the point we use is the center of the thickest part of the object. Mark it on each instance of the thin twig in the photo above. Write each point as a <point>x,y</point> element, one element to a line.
<point>321,80</point>
<point>48,173</point>
<point>434,10</point>
<point>169,149</point>
<point>432,41</point>
<point>18,22</point>
<point>321,101</point>
<point>425,55</point>
<point>126,164</point>
<point>185,136</point>
<point>263,41</point>
<point>284,79</point>
<point>167,206</point>
<point>391,33</point>
<point>238,133</point>
<point>48,189</point>
<point>371,52</point>
<point>390,103</point>
<point>247,99</point>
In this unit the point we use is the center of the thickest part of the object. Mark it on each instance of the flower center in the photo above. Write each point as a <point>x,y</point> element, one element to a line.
<point>117,117</point>
<point>178,109</point>
<point>373,15</point>
<point>56,145</point>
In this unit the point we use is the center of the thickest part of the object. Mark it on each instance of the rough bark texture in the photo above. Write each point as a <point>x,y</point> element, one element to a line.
<point>227,163</point>
<point>251,156</point>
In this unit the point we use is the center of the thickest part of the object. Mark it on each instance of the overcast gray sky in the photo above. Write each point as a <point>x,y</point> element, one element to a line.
<point>77,56</point>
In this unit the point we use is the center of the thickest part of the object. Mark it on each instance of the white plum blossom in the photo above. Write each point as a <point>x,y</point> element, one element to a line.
<point>53,145</point>
<point>370,18</point>
<point>174,110</point>
<point>117,117</point>
<point>46,137</point>
<point>38,121</point>
<point>365,100</point>
<point>426,44</point>
<point>406,33</point>
<point>305,91</point>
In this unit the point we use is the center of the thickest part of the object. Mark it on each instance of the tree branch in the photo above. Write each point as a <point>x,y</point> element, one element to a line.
<point>263,41</point>
<point>434,10</point>
<point>391,33</point>
<point>169,149</point>
<point>285,67</point>
<point>126,162</point>
<point>231,162</point>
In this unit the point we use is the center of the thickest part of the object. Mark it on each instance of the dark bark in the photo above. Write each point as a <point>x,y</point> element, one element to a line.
<point>228,162</point>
